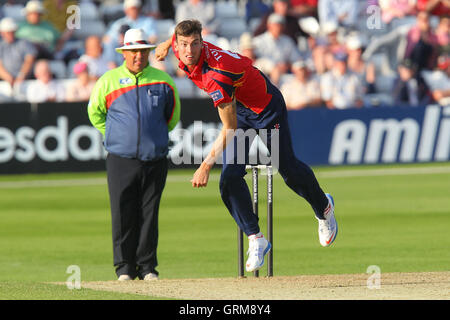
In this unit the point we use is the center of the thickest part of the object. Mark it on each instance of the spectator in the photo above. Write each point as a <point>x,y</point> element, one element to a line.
<point>246,47</point>
<point>81,89</point>
<point>161,9</point>
<point>302,91</point>
<point>291,26</point>
<point>422,43</point>
<point>201,10</point>
<point>408,90</point>
<point>334,36</point>
<point>332,43</point>
<point>342,12</point>
<point>364,71</point>
<point>434,7</point>
<point>394,43</point>
<point>134,19</point>
<point>274,51</point>
<point>255,9</point>
<point>42,34</point>
<point>304,8</point>
<point>319,53</point>
<point>94,58</point>
<point>44,89</point>
<point>16,56</point>
<point>339,87</point>
<point>396,9</point>
<point>114,58</point>
<point>442,32</point>
<point>438,80</point>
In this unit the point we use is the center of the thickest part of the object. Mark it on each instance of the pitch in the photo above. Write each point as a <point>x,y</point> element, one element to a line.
<point>393,218</point>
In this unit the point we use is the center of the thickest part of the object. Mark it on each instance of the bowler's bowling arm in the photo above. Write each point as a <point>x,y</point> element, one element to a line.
<point>227,114</point>
<point>162,49</point>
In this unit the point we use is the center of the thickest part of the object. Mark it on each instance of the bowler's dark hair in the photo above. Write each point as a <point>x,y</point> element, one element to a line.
<point>188,28</point>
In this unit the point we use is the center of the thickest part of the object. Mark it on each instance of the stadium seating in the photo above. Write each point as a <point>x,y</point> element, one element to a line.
<point>89,11</point>
<point>14,11</point>
<point>164,28</point>
<point>232,27</point>
<point>70,66</point>
<point>384,83</point>
<point>58,69</point>
<point>286,78</point>
<point>110,12</point>
<point>96,17</point>
<point>253,24</point>
<point>6,93</point>
<point>89,28</point>
<point>20,91</point>
<point>377,100</point>
<point>228,9</point>
<point>380,60</point>
<point>67,82</point>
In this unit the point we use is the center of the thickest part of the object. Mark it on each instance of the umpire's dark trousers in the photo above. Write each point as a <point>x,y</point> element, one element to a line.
<point>135,189</point>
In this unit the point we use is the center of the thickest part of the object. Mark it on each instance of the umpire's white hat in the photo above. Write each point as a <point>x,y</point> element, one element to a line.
<point>135,39</point>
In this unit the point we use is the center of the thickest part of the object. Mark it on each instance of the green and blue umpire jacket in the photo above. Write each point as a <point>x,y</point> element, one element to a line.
<point>135,112</point>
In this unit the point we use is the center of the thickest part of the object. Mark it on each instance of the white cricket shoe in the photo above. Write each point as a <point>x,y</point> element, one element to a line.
<point>151,277</point>
<point>124,277</point>
<point>328,227</point>
<point>258,246</point>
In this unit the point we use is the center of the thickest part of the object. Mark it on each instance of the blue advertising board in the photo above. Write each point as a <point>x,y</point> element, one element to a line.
<point>371,135</point>
<point>54,137</point>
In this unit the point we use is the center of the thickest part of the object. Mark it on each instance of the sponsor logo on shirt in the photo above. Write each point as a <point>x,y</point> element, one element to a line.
<point>125,81</point>
<point>216,95</point>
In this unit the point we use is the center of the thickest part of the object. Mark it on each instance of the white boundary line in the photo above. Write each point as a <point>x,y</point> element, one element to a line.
<point>215,177</point>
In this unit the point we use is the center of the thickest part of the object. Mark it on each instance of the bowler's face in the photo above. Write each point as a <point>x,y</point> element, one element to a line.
<point>136,60</point>
<point>189,49</point>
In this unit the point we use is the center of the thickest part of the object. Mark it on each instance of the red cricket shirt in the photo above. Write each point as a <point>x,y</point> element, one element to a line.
<point>226,75</point>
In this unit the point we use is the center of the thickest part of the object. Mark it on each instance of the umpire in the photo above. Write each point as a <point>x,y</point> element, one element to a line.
<point>135,106</point>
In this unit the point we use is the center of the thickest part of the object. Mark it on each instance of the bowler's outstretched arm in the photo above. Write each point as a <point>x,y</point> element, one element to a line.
<point>227,114</point>
<point>162,50</point>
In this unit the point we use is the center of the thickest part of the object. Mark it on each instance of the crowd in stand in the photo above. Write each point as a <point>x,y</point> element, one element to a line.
<point>321,53</point>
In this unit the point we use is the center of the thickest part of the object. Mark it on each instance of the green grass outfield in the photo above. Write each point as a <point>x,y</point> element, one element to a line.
<point>394,217</point>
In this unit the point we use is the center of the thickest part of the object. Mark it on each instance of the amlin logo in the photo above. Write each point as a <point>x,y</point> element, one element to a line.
<point>392,140</point>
